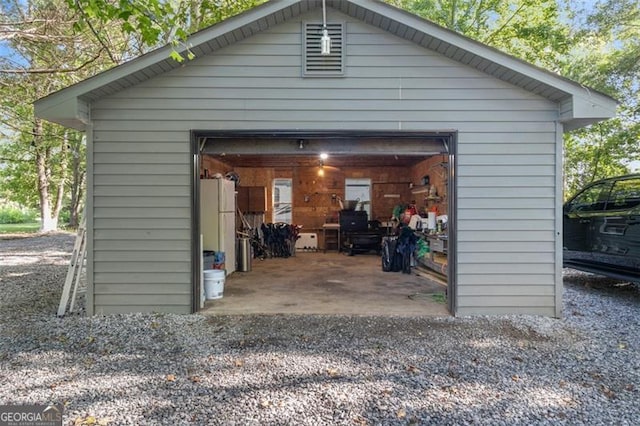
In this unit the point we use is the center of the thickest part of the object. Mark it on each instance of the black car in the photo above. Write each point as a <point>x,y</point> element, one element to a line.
<point>602,228</point>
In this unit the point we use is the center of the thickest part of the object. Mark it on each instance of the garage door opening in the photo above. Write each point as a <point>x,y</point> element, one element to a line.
<point>337,222</point>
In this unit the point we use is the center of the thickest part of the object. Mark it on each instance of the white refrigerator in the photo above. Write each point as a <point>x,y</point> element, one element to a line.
<point>218,218</point>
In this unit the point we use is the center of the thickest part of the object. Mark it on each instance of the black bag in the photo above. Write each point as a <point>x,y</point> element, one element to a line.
<point>391,259</point>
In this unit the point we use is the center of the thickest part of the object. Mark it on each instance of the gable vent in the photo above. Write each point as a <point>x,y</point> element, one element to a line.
<point>316,64</point>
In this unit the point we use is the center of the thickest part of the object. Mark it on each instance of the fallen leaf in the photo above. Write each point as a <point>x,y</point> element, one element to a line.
<point>90,420</point>
<point>238,363</point>
<point>360,422</point>
<point>622,346</point>
<point>401,413</point>
<point>264,403</point>
<point>608,392</point>
<point>154,324</point>
<point>515,378</point>
<point>413,369</point>
<point>171,378</point>
<point>333,372</point>
<point>194,379</point>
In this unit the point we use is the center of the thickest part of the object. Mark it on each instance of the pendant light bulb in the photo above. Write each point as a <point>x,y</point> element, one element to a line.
<point>325,43</point>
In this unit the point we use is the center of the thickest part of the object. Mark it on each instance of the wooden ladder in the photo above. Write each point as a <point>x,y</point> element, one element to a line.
<point>76,266</point>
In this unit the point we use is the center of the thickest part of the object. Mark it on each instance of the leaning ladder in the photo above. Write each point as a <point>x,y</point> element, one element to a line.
<point>74,273</point>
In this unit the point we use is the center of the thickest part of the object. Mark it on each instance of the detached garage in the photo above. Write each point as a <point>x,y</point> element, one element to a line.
<point>397,103</point>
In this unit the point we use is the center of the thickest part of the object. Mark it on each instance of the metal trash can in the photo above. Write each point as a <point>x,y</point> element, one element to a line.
<point>244,255</point>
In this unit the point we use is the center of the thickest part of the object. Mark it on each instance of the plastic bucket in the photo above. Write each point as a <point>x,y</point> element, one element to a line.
<point>213,283</point>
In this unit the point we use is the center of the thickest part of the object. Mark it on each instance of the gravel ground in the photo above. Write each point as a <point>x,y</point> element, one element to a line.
<point>311,370</point>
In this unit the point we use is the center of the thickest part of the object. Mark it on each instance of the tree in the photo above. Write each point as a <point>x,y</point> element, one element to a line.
<point>51,44</point>
<point>158,22</point>
<point>529,29</point>
<point>598,47</point>
<point>605,56</point>
<point>44,55</point>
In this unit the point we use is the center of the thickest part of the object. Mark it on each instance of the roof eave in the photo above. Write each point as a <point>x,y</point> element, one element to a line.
<point>586,108</point>
<point>579,106</point>
<point>68,112</point>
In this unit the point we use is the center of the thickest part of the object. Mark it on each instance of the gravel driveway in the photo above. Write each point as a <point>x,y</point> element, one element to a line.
<point>314,370</point>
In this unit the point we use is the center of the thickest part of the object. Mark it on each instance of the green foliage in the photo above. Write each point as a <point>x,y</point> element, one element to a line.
<point>598,47</point>
<point>529,29</point>
<point>605,55</point>
<point>46,55</point>
<point>15,215</point>
<point>439,298</point>
<point>158,22</point>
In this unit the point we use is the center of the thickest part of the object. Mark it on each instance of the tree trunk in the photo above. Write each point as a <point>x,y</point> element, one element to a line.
<point>46,222</point>
<point>63,177</point>
<point>49,208</point>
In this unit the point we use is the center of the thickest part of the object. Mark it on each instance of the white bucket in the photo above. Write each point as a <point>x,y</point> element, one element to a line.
<point>213,283</point>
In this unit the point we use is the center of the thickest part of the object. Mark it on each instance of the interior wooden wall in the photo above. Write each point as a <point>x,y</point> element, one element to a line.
<point>436,168</point>
<point>313,196</point>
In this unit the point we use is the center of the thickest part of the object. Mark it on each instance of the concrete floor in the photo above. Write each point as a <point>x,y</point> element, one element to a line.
<point>328,283</point>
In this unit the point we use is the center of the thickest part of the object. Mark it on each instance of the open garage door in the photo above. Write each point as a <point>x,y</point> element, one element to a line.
<point>303,178</point>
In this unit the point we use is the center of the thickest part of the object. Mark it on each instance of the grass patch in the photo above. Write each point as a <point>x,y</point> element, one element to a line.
<point>13,228</point>
<point>439,298</point>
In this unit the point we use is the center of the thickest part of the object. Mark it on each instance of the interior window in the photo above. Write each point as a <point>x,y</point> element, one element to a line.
<point>591,199</point>
<point>359,189</point>
<point>282,211</point>
<point>624,195</point>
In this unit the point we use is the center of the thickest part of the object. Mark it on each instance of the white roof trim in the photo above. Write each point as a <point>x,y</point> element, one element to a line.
<point>580,106</point>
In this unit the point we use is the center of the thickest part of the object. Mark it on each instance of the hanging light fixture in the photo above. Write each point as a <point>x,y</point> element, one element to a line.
<point>321,168</point>
<point>325,40</point>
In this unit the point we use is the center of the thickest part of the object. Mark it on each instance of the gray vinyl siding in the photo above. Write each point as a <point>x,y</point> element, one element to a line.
<point>506,175</point>
<point>141,220</point>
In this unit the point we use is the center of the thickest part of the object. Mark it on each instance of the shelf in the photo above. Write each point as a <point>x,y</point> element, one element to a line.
<point>420,189</point>
<point>424,189</point>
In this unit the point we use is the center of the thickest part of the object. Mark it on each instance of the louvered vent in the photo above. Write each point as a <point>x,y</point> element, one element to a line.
<point>316,64</point>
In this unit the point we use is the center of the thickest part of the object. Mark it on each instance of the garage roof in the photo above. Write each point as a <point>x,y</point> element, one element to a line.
<point>579,105</point>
